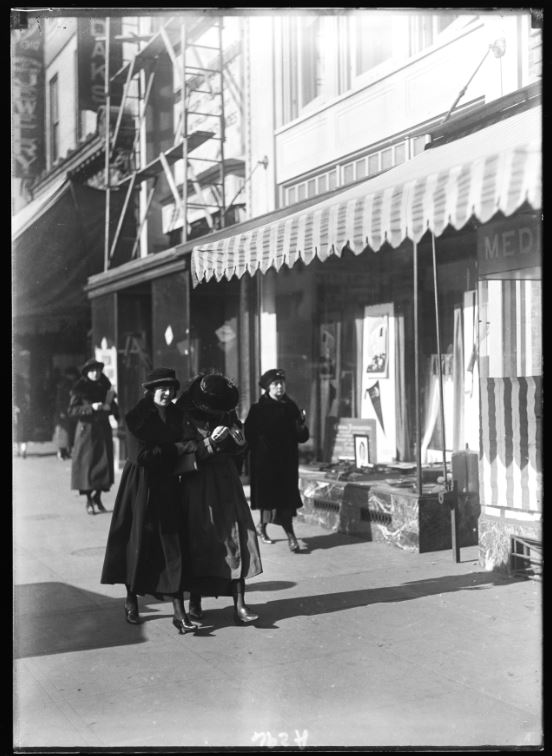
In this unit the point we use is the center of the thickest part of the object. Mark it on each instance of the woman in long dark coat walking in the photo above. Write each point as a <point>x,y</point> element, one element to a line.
<point>224,549</point>
<point>92,400</point>
<point>147,542</point>
<point>273,429</point>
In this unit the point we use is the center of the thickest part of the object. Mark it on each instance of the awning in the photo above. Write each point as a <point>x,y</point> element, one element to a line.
<point>57,244</point>
<point>495,169</point>
<point>32,212</point>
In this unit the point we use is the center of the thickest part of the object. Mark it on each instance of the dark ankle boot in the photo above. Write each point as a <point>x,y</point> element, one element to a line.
<point>243,615</point>
<point>195,611</point>
<point>98,501</point>
<point>90,505</point>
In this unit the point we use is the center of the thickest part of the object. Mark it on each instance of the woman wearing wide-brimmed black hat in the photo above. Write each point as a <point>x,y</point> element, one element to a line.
<point>224,549</point>
<point>147,542</point>
<point>273,429</point>
<point>92,401</point>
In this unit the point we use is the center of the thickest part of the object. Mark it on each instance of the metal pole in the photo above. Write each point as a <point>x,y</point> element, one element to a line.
<point>438,335</point>
<point>184,106</point>
<point>107,126</point>
<point>417,372</point>
<point>222,127</point>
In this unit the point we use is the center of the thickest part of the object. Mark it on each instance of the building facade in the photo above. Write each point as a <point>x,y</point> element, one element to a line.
<point>380,240</point>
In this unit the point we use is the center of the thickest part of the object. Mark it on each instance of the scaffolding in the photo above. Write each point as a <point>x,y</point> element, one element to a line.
<point>193,48</point>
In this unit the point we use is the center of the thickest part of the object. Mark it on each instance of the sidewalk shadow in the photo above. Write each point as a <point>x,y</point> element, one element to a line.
<point>331,540</point>
<point>324,603</point>
<point>56,618</point>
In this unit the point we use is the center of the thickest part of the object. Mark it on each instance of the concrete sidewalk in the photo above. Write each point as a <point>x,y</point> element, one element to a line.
<point>359,644</point>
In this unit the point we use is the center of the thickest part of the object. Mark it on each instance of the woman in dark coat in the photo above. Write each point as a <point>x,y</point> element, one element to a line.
<point>273,429</point>
<point>146,546</point>
<point>92,400</point>
<point>64,430</point>
<point>224,549</point>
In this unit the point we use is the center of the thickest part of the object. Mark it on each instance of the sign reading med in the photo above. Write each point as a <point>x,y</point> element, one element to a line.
<point>509,244</point>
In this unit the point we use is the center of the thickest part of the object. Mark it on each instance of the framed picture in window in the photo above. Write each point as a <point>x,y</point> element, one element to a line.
<point>376,348</point>
<point>362,450</point>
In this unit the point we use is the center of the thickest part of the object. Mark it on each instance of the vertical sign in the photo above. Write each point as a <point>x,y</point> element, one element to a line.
<point>28,102</point>
<point>92,49</point>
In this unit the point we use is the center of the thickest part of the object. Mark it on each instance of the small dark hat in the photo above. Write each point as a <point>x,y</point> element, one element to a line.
<point>213,393</point>
<point>161,377</point>
<point>91,365</point>
<point>270,376</point>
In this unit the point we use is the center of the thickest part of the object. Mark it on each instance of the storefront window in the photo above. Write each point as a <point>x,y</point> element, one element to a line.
<point>344,336</point>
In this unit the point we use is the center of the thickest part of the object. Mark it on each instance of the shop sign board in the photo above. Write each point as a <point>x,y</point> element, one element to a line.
<point>509,244</point>
<point>28,102</point>
<point>340,441</point>
<point>92,61</point>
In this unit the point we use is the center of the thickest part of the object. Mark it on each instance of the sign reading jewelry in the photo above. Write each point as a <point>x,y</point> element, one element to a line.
<point>28,102</point>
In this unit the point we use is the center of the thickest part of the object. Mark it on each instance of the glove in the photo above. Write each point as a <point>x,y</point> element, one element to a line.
<point>219,434</point>
<point>237,436</point>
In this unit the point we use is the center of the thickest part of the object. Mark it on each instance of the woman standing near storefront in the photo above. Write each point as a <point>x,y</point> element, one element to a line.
<point>273,429</point>
<point>224,550</point>
<point>147,543</point>
<point>92,400</point>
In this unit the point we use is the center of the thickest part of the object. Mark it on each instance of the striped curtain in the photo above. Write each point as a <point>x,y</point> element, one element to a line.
<point>510,468</point>
<point>511,394</point>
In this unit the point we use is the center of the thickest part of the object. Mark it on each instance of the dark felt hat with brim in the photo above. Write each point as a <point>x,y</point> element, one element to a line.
<point>213,393</point>
<point>91,364</point>
<point>270,376</point>
<point>161,377</point>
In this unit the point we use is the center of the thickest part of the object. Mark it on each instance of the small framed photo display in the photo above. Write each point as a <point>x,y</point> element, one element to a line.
<point>362,450</point>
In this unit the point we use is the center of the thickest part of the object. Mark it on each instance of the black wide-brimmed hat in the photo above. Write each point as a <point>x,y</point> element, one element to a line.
<point>270,376</point>
<point>213,392</point>
<point>161,377</point>
<point>91,364</point>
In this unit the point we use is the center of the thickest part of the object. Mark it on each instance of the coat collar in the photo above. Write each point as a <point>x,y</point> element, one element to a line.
<point>143,413</point>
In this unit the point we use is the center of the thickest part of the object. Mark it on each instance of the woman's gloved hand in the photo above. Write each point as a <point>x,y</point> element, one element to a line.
<point>237,436</point>
<point>219,434</point>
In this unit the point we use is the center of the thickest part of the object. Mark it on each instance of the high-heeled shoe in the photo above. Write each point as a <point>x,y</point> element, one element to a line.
<point>98,502</point>
<point>293,545</point>
<point>263,535</point>
<point>244,616</point>
<point>90,507</point>
<point>131,615</point>
<point>183,625</point>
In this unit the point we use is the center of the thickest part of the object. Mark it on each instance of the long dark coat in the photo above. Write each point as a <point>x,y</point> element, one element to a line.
<point>273,431</point>
<point>146,545</point>
<point>92,457</point>
<point>223,540</point>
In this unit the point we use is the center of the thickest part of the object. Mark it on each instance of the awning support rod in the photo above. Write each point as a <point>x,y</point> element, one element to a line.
<point>440,368</point>
<point>417,371</point>
<point>107,143</point>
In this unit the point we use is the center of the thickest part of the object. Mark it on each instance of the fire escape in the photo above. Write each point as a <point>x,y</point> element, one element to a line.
<point>186,166</point>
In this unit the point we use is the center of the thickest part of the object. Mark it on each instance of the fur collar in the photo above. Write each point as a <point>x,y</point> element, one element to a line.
<point>143,413</point>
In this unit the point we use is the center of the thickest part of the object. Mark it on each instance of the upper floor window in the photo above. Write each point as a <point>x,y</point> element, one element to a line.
<point>301,64</point>
<point>425,27</point>
<point>373,40</point>
<point>53,90</point>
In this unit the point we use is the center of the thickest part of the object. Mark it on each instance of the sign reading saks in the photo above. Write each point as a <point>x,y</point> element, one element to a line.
<point>509,244</point>
<point>28,102</point>
<point>92,52</point>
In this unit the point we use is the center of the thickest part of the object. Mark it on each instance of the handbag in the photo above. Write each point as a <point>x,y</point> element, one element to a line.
<point>186,463</point>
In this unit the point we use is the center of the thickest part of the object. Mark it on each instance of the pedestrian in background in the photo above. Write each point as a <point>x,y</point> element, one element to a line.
<point>224,549</point>
<point>64,429</point>
<point>147,542</point>
<point>273,429</point>
<point>21,414</point>
<point>92,400</point>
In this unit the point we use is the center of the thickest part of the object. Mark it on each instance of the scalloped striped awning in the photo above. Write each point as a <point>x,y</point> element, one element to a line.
<point>495,169</point>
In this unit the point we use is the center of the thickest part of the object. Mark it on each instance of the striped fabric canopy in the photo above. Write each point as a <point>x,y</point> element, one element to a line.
<point>496,168</point>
